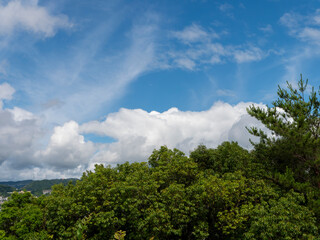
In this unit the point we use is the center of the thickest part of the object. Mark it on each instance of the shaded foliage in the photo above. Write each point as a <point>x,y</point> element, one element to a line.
<point>35,186</point>
<point>4,190</point>
<point>294,121</point>
<point>222,193</point>
<point>170,197</point>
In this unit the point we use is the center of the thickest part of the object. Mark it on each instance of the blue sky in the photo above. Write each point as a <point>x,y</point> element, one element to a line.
<point>85,82</point>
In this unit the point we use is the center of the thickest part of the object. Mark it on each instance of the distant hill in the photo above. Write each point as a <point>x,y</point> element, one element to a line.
<point>16,184</point>
<point>4,190</point>
<point>36,187</point>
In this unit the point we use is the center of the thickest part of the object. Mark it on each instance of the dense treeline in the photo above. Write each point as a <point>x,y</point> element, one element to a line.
<point>36,187</point>
<point>271,192</point>
<point>16,184</point>
<point>5,190</point>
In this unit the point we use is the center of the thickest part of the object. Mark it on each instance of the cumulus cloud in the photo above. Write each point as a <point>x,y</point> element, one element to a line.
<point>29,16</point>
<point>19,131</point>
<point>67,148</point>
<point>136,132</point>
<point>139,132</point>
<point>6,92</point>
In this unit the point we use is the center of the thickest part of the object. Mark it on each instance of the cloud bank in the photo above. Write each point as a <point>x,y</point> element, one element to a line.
<point>136,133</point>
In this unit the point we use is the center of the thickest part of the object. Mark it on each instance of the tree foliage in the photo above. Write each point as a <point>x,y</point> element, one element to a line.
<point>170,197</point>
<point>294,122</point>
<point>222,193</point>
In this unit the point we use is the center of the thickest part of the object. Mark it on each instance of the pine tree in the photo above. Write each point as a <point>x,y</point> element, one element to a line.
<point>294,122</point>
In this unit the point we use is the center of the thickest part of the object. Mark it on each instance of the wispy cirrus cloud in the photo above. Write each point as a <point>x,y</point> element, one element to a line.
<point>109,80</point>
<point>310,34</point>
<point>196,46</point>
<point>3,65</point>
<point>303,27</point>
<point>226,8</point>
<point>29,16</point>
<point>225,92</point>
<point>89,71</point>
<point>268,29</point>
<point>249,54</point>
<point>306,29</point>
<point>194,33</point>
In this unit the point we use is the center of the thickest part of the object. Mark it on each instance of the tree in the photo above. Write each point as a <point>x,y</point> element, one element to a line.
<point>294,122</point>
<point>282,218</point>
<point>22,218</point>
<point>228,157</point>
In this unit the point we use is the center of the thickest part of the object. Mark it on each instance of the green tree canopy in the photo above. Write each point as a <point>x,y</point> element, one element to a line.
<point>215,193</point>
<point>294,122</point>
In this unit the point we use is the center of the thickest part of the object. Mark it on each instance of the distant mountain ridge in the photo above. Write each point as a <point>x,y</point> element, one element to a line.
<point>35,186</point>
<point>16,184</point>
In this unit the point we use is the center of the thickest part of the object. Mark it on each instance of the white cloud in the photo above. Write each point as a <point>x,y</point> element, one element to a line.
<point>303,27</point>
<point>226,93</point>
<point>185,63</point>
<point>22,135</point>
<point>248,55</point>
<point>20,114</point>
<point>29,16</point>
<point>19,131</point>
<point>291,20</point>
<point>316,17</point>
<point>6,92</point>
<point>306,29</point>
<point>8,173</point>
<point>67,148</point>
<point>267,29</point>
<point>197,47</point>
<point>71,95</point>
<point>310,34</point>
<point>138,132</point>
<point>194,33</point>
<point>3,65</point>
<point>225,7</point>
